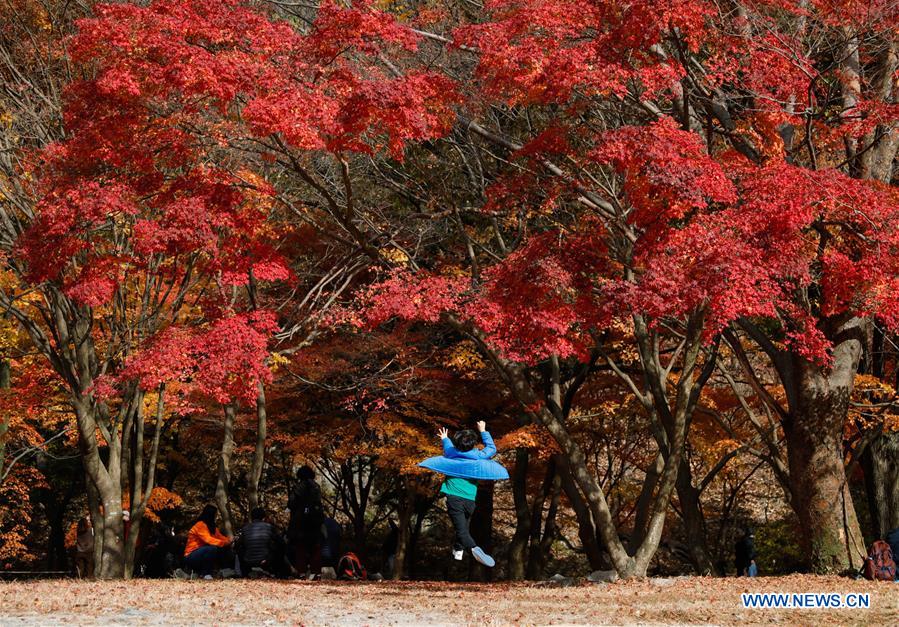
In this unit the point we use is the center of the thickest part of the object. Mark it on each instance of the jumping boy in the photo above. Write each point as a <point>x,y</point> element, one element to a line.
<point>460,492</point>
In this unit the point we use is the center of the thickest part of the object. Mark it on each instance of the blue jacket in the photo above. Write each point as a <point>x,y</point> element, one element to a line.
<point>474,464</point>
<point>487,452</point>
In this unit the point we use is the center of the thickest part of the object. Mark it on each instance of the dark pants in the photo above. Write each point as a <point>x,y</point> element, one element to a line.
<point>460,511</point>
<point>206,559</point>
<point>308,555</point>
<point>274,563</point>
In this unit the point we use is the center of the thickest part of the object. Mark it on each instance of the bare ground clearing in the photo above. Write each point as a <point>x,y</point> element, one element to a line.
<point>666,601</point>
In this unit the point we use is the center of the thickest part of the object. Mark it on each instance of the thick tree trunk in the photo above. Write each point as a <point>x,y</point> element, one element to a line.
<point>112,559</point>
<point>881,465</point>
<point>819,401</point>
<point>104,495</point>
<point>694,522</point>
<point>93,510</point>
<point>519,544</point>
<point>644,502</point>
<point>224,470</point>
<point>259,451</point>
<point>586,529</point>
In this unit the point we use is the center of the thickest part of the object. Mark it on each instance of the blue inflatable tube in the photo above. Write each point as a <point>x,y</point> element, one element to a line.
<point>474,469</point>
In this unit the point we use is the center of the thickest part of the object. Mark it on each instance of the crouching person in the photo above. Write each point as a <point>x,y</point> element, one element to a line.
<point>261,546</point>
<point>207,548</point>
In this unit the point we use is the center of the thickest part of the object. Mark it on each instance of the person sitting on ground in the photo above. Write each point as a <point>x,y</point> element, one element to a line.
<point>160,558</point>
<point>744,550</point>
<point>260,545</point>
<point>461,493</point>
<point>304,531</point>
<point>207,547</point>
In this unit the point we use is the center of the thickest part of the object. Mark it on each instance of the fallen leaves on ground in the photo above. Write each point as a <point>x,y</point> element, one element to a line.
<point>657,601</point>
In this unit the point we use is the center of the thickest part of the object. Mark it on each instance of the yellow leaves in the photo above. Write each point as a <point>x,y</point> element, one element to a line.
<point>869,383</point>
<point>724,446</point>
<point>533,437</point>
<point>394,255</point>
<point>465,358</point>
<point>891,423</point>
<point>256,195</point>
<point>10,335</point>
<point>454,271</point>
<point>159,501</point>
<point>276,361</point>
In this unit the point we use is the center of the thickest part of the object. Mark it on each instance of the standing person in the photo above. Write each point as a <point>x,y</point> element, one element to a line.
<point>304,530</point>
<point>84,548</point>
<point>461,492</point>
<point>744,553</point>
<point>260,545</point>
<point>388,549</point>
<point>207,547</point>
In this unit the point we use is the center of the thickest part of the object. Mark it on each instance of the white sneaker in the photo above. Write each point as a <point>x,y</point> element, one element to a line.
<point>457,555</point>
<point>207,577</point>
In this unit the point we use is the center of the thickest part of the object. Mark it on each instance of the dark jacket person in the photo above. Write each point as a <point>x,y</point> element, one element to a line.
<point>260,545</point>
<point>305,528</point>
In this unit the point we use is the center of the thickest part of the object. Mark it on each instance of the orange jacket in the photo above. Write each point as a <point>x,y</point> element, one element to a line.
<point>199,536</point>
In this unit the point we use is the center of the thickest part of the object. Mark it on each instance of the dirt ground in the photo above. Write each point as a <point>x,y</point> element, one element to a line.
<point>235,602</point>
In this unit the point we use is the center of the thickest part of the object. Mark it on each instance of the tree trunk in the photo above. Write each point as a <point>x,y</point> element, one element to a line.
<point>644,502</point>
<point>819,401</point>
<point>586,529</point>
<point>104,494</point>
<point>141,491</point>
<point>404,515</point>
<point>694,522</point>
<point>259,452</point>
<point>881,465</point>
<point>518,545</point>
<point>482,530</point>
<point>112,559</point>
<point>224,472</point>
<point>540,547</point>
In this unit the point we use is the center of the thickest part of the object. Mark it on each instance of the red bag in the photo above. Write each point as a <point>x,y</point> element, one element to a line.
<point>350,567</point>
<point>880,565</point>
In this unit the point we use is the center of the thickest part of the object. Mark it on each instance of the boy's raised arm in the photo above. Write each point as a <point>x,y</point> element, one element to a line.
<point>489,449</point>
<point>448,449</point>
